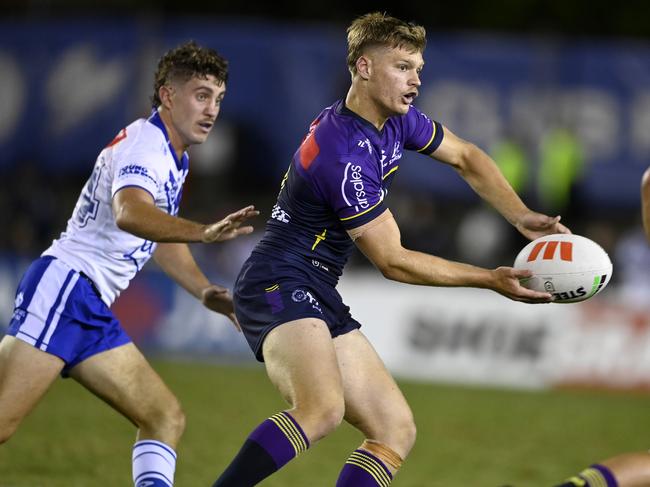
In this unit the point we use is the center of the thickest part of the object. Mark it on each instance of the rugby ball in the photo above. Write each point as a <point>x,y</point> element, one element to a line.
<point>570,267</point>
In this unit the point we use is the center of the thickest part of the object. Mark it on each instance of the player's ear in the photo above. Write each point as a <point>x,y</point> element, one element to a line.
<point>165,93</point>
<point>363,66</point>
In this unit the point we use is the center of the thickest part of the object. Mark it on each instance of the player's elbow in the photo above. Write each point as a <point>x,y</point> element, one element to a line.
<point>392,273</point>
<point>391,268</point>
<point>464,158</point>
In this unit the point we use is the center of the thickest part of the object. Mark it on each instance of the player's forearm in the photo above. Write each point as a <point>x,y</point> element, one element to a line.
<point>412,267</point>
<point>176,260</point>
<point>645,203</point>
<point>485,178</point>
<point>148,222</point>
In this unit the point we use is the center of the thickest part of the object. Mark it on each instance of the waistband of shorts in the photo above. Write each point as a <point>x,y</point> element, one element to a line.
<point>81,274</point>
<point>92,284</point>
<point>299,261</point>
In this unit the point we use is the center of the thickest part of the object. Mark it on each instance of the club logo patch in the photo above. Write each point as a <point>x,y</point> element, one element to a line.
<point>300,296</point>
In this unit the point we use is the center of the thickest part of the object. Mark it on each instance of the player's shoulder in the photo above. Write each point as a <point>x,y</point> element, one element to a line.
<point>144,140</point>
<point>335,137</point>
<point>413,115</point>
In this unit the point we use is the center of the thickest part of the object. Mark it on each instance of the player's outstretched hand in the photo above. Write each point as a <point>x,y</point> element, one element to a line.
<point>218,299</point>
<point>506,282</point>
<point>534,225</point>
<point>230,227</point>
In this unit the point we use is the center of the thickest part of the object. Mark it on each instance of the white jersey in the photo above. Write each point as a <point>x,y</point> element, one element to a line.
<point>142,156</point>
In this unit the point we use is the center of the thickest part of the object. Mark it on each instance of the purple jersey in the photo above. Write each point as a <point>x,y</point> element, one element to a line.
<point>337,180</point>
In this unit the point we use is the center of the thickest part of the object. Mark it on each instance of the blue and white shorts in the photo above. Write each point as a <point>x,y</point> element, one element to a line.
<point>59,310</point>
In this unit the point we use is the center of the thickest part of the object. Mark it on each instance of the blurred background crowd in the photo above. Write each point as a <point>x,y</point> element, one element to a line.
<point>557,92</point>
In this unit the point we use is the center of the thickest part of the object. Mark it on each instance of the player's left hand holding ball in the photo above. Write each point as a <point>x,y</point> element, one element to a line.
<point>218,299</point>
<point>533,225</point>
<point>506,281</point>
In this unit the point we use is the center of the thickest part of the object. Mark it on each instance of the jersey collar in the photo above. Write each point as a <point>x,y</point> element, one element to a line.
<point>184,162</point>
<point>342,109</point>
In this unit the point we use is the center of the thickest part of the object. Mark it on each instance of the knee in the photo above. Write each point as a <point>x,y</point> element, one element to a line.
<point>331,416</point>
<point>322,418</point>
<point>407,434</point>
<point>398,431</point>
<point>166,421</point>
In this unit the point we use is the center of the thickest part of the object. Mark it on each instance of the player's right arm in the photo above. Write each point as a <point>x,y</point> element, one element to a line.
<point>645,202</point>
<point>380,241</point>
<point>135,212</point>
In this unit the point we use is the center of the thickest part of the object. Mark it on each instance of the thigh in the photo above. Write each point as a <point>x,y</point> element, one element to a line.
<point>123,378</point>
<point>374,403</point>
<point>26,373</point>
<point>301,362</point>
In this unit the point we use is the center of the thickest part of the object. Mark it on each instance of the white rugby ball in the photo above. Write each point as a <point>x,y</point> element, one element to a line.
<point>570,267</point>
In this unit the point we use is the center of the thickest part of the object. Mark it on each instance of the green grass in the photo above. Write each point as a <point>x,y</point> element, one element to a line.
<point>467,437</point>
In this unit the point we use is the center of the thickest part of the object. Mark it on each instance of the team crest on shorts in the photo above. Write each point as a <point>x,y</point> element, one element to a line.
<point>300,296</point>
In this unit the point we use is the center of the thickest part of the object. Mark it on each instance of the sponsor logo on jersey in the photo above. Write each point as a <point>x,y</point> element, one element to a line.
<point>395,156</point>
<point>319,265</point>
<point>352,177</point>
<point>135,169</point>
<point>280,215</point>
<point>366,144</point>
<point>300,296</point>
<point>19,299</point>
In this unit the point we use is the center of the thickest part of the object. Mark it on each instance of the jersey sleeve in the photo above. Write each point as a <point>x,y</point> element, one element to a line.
<point>421,133</point>
<point>137,170</point>
<point>353,189</point>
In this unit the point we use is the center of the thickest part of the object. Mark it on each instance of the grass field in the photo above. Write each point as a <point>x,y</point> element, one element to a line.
<point>466,437</point>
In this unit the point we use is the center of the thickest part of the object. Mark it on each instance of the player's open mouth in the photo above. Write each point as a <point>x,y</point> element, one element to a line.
<point>207,126</point>
<point>409,97</point>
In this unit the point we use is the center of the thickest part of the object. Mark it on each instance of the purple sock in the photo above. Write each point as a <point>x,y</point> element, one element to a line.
<point>596,474</point>
<point>267,449</point>
<point>282,437</point>
<point>362,469</point>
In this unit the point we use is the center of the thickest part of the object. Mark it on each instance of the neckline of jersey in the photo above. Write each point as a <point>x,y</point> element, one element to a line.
<point>155,119</point>
<point>342,109</point>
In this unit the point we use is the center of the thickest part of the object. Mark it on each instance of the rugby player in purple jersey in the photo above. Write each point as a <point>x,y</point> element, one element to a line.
<point>331,199</point>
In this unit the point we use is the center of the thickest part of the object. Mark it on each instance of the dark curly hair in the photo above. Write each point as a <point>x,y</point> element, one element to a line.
<point>185,62</point>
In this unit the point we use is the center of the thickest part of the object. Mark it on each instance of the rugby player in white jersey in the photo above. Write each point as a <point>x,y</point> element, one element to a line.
<point>126,213</point>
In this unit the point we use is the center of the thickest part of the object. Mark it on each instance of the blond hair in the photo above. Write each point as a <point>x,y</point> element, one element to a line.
<point>380,29</point>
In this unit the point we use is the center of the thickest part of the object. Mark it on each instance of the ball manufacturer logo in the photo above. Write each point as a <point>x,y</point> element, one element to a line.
<point>550,247</point>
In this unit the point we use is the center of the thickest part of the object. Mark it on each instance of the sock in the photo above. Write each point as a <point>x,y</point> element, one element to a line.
<point>153,464</point>
<point>363,469</point>
<point>594,476</point>
<point>268,448</point>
